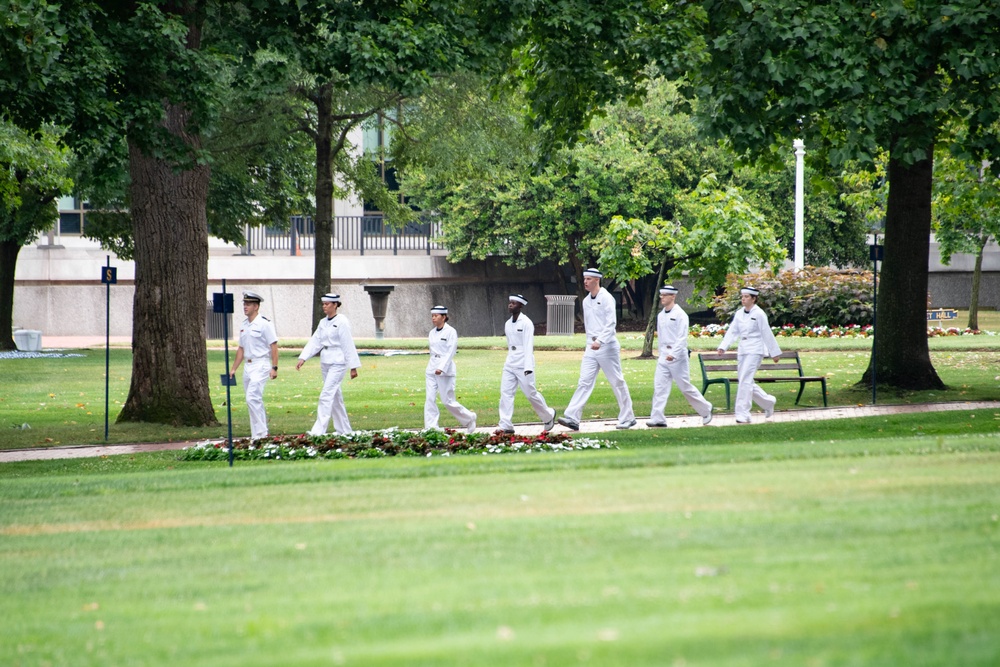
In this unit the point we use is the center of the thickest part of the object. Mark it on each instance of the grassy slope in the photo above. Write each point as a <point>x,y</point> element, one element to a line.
<point>63,399</point>
<point>757,546</point>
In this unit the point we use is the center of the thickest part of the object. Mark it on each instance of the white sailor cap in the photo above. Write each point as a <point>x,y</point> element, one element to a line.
<point>592,273</point>
<point>439,310</point>
<point>752,291</point>
<point>252,296</point>
<point>330,297</point>
<point>668,289</point>
<point>518,298</point>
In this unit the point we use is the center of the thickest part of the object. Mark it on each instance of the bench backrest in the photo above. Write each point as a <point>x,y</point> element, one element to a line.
<point>713,362</point>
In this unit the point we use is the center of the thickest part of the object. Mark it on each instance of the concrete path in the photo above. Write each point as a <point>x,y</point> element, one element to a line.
<point>590,427</point>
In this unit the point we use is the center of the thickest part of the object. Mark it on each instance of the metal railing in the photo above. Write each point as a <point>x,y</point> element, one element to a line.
<point>359,234</point>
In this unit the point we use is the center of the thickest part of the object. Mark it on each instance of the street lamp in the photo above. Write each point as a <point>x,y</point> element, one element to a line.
<point>800,151</point>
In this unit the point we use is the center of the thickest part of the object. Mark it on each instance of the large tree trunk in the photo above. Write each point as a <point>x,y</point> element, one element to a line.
<point>8,262</point>
<point>901,356</point>
<point>324,199</point>
<point>170,229</point>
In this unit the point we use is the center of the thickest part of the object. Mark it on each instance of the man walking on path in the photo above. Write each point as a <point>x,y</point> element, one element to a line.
<point>519,368</point>
<point>603,352</point>
<point>441,371</point>
<point>334,342</point>
<point>259,349</point>
<point>672,365</point>
<point>756,342</point>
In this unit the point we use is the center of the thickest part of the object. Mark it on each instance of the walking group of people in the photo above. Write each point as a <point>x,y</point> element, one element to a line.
<point>333,341</point>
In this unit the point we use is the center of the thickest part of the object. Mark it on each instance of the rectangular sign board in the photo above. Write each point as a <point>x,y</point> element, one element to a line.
<point>222,302</point>
<point>109,275</point>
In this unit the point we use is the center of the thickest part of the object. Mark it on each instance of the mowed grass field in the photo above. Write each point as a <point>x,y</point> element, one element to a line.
<point>60,401</point>
<point>872,543</point>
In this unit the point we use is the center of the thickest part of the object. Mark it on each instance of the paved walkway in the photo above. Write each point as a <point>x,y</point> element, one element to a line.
<point>586,428</point>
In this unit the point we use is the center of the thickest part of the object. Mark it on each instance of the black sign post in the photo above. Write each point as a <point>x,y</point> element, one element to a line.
<point>109,276</point>
<point>223,303</point>
<point>875,253</point>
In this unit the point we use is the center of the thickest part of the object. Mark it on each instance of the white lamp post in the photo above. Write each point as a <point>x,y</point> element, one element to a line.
<point>800,151</point>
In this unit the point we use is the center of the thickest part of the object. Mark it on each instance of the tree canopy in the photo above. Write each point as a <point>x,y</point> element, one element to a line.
<point>851,79</point>
<point>34,171</point>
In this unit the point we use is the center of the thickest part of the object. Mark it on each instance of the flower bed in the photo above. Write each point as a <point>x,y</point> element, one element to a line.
<point>848,331</point>
<point>390,442</point>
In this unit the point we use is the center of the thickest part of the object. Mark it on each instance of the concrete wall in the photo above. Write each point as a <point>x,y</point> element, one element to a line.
<point>58,291</point>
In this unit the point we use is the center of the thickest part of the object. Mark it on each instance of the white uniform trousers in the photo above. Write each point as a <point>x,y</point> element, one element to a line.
<point>331,401</point>
<point>443,386</point>
<point>255,376</point>
<point>676,371</point>
<point>748,391</point>
<point>607,359</point>
<point>509,382</point>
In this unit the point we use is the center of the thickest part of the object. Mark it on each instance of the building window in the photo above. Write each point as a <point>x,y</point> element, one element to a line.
<point>376,140</point>
<point>72,215</point>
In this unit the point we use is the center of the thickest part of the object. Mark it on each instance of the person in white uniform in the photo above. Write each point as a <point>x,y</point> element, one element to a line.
<point>441,371</point>
<point>756,342</point>
<point>602,353</point>
<point>519,368</point>
<point>334,343</point>
<point>258,347</point>
<point>672,367</point>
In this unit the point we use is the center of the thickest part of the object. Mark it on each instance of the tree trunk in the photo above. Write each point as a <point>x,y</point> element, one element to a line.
<point>170,230</point>
<point>578,267</point>
<point>977,275</point>
<point>324,199</point>
<point>901,356</point>
<point>647,345</point>
<point>8,262</point>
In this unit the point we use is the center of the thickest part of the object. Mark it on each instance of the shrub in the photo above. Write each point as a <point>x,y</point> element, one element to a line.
<point>813,296</point>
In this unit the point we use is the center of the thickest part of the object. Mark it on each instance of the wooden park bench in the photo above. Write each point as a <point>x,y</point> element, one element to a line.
<point>714,365</point>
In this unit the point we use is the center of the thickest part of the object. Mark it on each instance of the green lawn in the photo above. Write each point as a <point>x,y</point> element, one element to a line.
<point>62,399</point>
<point>872,543</point>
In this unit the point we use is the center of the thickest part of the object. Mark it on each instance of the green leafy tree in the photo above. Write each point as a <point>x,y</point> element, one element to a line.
<point>472,163</point>
<point>850,79</point>
<point>966,215</point>
<point>34,170</point>
<point>715,232</point>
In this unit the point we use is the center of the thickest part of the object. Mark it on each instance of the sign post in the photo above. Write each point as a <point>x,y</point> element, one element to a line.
<point>109,276</point>
<point>875,253</point>
<point>223,303</point>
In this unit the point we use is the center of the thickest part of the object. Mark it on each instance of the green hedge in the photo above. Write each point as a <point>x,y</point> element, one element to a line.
<point>812,296</point>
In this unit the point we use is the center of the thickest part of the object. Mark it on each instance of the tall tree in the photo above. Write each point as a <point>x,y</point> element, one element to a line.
<point>34,171</point>
<point>715,232</point>
<point>476,166</point>
<point>966,216</point>
<point>351,62</point>
<point>849,78</point>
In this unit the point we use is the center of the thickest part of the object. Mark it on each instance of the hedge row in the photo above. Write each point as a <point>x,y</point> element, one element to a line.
<point>812,296</point>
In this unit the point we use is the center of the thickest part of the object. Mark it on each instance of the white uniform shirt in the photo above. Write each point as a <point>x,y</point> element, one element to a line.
<point>754,333</point>
<point>256,337</point>
<point>334,343</point>
<point>599,317</point>
<point>443,344</point>
<point>520,344</point>
<point>672,329</point>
